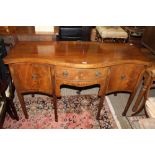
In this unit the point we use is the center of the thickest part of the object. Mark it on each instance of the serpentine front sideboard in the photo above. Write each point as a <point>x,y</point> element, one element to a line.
<point>43,67</point>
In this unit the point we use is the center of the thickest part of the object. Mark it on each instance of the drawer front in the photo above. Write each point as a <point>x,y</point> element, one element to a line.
<point>33,77</point>
<point>80,74</point>
<point>124,77</point>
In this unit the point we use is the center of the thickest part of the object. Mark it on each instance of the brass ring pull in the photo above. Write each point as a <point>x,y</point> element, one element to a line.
<point>98,73</point>
<point>34,76</point>
<point>123,77</point>
<point>65,73</point>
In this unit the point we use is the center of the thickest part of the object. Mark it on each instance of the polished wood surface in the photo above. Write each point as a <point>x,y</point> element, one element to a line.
<point>76,54</point>
<point>45,66</point>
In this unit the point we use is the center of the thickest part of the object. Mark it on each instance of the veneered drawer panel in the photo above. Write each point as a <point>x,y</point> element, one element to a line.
<point>80,74</point>
<point>124,77</point>
<point>33,77</point>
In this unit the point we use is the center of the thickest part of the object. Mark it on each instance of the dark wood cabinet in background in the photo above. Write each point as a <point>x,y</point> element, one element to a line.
<point>74,33</point>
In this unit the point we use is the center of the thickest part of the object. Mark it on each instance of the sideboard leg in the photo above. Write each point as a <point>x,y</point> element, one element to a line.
<point>22,103</point>
<point>138,100</point>
<point>142,106</point>
<point>11,109</point>
<point>55,108</point>
<point>128,104</point>
<point>144,91</point>
<point>100,107</point>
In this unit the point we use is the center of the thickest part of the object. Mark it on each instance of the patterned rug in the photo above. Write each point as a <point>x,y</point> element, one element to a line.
<point>74,112</point>
<point>134,121</point>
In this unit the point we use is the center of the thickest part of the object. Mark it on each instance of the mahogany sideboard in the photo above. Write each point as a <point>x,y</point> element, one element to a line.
<point>43,67</point>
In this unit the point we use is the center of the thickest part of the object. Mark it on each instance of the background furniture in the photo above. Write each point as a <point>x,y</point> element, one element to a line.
<point>25,33</point>
<point>6,89</point>
<point>111,33</point>
<point>74,33</point>
<point>149,79</point>
<point>45,66</point>
<point>28,33</point>
<point>6,102</point>
<point>148,39</point>
<point>135,33</point>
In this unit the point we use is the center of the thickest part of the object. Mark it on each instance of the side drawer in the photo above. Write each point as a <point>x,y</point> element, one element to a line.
<point>32,77</point>
<point>125,77</point>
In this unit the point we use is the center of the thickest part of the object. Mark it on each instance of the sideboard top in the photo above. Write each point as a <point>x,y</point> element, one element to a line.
<point>76,54</point>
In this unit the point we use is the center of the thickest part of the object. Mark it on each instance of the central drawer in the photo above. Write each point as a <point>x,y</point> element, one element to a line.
<point>76,74</point>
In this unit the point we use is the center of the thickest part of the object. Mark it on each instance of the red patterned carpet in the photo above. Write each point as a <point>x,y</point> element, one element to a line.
<point>74,112</point>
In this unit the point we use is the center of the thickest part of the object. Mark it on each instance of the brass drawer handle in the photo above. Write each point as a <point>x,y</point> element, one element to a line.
<point>34,76</point>
<point>98,73</point>
<point>123,77</point>
<point>65,73</point>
